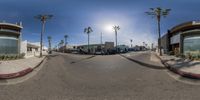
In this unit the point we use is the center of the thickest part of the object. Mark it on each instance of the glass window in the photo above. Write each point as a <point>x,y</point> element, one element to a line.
<point>8,46</point>
<point>191,44</point>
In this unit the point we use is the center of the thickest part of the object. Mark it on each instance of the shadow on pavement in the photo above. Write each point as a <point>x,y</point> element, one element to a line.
<point>144,64</point>
<point>73,62</point>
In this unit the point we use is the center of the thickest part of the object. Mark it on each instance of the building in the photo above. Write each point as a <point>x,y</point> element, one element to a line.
<point>31,49</point>
<point>182,39</point>
<point>93,48</point>
<point>10,38</point>
<point>96,48</point>
<point>122,48</point>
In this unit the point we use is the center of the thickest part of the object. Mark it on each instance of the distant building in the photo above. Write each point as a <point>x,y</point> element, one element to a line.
<point>10,38</point>
<point>122,48</point>
<point>31,49</point>
<point>139,48</point>
<point>182,39</point>
<point>94,48</point>
<point>109,45</point>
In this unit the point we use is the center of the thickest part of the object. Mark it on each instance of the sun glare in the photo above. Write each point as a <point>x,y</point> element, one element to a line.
<point>109,28</point>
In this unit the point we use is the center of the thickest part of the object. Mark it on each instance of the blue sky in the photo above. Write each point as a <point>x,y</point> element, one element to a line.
<point>72,16</point>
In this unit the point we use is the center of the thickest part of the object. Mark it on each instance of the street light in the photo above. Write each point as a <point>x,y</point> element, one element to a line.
<point>116,28</point>
<point>158,13</point>
<point>43,19</point>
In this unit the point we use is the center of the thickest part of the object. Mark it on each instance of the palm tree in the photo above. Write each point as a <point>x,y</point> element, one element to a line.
<point>62,43</point>
<point>43,19</point>
<point>158,13</point>
<point>88,30</point>
<point>66,36</point>
<point>49,40</point>
<point>59,46</point>
<point>116,28</point>
<point>131,42</point>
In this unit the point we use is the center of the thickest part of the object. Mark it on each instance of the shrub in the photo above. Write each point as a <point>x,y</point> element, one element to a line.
<point>12,56</point>
<point>21,55</point>
<point>171,53</point>
<point>1,57</point>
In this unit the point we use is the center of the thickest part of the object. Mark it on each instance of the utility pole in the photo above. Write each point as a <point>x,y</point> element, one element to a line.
<point>43,19</point>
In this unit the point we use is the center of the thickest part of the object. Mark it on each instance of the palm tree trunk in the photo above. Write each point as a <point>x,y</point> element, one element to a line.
<point>159,39</point>
<point>88,42</point>
<point>66,42</point>
<point>41,37</point>
<point>116,40</point>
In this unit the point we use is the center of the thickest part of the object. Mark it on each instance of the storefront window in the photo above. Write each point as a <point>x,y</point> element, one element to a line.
<point>192,45</point>
<point>8,46</point>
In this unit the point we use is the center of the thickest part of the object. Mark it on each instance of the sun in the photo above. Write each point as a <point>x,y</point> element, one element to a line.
<point>108,28</point>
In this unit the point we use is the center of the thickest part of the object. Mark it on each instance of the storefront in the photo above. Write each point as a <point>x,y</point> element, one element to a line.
<point>191,42</point>
<point>183,39</point>
<point>10,37</point>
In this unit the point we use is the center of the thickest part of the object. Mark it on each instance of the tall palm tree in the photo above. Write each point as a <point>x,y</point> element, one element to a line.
<point>62,45</point>
<point>131,42</point>
<point>116,28</point>
<point>88,30</point>
<point>43,19</point>
<point>158,13</point>
<point>59,46</point>
<point>66,36</point>
<point>49,40</point>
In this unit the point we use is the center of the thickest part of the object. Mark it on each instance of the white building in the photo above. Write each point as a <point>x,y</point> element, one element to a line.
<point>32,49</point>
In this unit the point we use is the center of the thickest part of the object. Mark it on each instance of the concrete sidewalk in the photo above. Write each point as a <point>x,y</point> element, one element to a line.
<point>145,58</point>
<point>183,67</point>
<point>17,68</point>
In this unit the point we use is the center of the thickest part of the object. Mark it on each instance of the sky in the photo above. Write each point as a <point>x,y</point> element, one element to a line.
<point>70,17</point>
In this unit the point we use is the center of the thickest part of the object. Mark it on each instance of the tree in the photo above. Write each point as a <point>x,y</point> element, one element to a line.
<point>66,36</point>
<point>49,40</point>
<point>43,19</point>
<point>158,13</point>
<point>116,28</point>
<point>131,42</point>
<point>88,30</point>
<point>62,45</point>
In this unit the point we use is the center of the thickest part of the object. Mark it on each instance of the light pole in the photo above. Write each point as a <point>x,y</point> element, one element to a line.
<point>43,19</point>
<point>158,13</point>
<point>116,28</point>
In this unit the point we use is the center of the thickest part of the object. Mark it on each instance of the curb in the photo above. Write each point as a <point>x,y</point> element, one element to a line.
<point>179,72</point>
<point>20,73</point>
<point>144,64</point>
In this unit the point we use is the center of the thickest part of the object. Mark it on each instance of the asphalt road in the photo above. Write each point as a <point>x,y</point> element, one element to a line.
<point>81,77</point>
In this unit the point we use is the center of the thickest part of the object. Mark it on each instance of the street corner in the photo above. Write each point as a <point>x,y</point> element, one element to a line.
<point>183,67</point>
<point>11,70</point>
<point>144,61</point>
